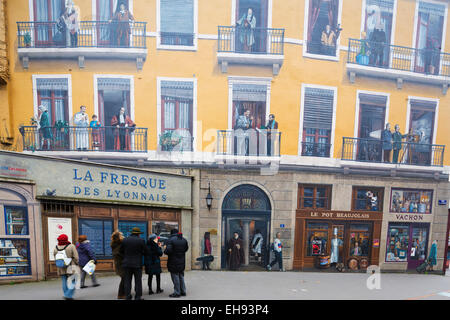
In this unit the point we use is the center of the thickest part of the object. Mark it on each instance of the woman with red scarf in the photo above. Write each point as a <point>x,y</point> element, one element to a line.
<point>65,272</point>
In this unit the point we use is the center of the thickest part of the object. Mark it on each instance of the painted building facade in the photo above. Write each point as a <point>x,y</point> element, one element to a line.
<point>185,78</point>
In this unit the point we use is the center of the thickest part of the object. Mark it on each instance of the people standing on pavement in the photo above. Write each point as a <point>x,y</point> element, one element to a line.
<point>152,263</point>
<point>116,242</point>
<point>86,254</point>
<point>133,249</point>
<point>235,252</point>
<point>176,248</point>
<point>64,246</point>
<point>277,249</point>
<point>433,255</point>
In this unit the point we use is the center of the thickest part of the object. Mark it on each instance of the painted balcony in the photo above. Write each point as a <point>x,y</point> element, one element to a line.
<point>374,59</point>
<point>409,153</point>
<point>313,149</point>
<point>66,138</point>
<point>257,46</point>
<point>95,40</point>
<point>249,143</point>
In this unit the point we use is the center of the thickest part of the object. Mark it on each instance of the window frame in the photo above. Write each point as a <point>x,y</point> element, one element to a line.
<point>300,196</point>
<point>411,190</point>
<point>26,217</point>
<point>355,190</point>
<point>98,256</point>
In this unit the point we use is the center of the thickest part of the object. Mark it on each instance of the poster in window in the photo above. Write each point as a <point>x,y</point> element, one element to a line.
<point>411,201</point>
<point>316,246</point>
<point>56,227</point>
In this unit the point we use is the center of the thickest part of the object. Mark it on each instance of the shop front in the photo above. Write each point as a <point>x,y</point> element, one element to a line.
<point>325,238</point>
<point>78,198</point>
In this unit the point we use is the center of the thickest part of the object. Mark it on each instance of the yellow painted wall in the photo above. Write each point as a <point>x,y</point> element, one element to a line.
<point>212,85</point>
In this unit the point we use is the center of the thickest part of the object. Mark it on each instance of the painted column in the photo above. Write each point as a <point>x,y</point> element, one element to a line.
<point>246,240</point>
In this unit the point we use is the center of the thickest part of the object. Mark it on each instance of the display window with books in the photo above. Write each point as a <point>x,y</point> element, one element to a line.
<point>16,220</point>
<point>14,257</point>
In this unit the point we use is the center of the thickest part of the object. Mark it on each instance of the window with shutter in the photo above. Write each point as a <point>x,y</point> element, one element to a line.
<point>317,122</point>
<point>177,22</point>
<point>53,93</point>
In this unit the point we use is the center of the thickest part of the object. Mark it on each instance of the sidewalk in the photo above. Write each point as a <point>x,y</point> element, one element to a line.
<point>223,285</point>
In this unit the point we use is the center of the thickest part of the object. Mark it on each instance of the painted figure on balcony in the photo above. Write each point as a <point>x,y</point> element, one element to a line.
<point>432,53</point>
<point>328,41</point>
<point>96,133</point>
<point>397,137</point>
<point>124,127</point>
<point>45,128</point>
<point>121,26</point>
<point>377,42</point>
<point>245,31</point>
<point>271,126</point>
<point>243,124</point>
<point>71,19</point>
<point>386,138</point>
<point>81,121</point>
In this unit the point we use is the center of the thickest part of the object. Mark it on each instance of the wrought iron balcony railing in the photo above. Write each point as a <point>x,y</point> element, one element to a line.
<point>110,139</point>
<point>383,55</point>
<point>91,34</point>
<point>251,40</point>
<point>177,39</point>
<point>248,143</point>
<point>315,47</point>
<point>370,150</point>
<point>316,149</point>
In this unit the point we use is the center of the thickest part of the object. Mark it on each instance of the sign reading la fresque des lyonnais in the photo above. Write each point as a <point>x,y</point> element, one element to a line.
<point>76,180</point>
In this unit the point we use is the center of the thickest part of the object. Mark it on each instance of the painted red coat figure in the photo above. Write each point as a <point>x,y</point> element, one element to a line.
<point>122,133</point>
<point>235,252</point>
<point>121,21</point>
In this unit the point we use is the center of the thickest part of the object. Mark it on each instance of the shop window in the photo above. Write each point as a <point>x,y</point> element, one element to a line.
<point>99,234</point>
<point>397,243</point>
<point>163,229</point>
<point>126,226</point>
<point>359,239</point>
<point>411,201</point>
<point>314,197</point>
<point>14,257</point>
<point>367,199</point>
<point>419,239</point>
<point>317,238</point>
<point>16,220</point>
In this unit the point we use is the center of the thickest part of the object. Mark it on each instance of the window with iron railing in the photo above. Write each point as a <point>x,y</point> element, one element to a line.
<point>177,22</point>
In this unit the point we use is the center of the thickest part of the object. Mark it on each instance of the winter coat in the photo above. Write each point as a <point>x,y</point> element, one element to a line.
<point>133,249</point>
<point>85,253</point>
<point>152,260</point>
<point>117,256</point>
<point>176,248</point>
<point>433,253</point>
<point>71,252</point>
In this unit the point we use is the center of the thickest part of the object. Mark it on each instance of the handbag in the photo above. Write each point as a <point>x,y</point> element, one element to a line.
<point>89,268</point>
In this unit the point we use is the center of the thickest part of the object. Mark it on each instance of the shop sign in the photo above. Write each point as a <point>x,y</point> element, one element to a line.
<point>339,214</point>
<point>282,225</point>
<point>409,217</point>
<point>442,202</point>
<point>376,243</point>
<point>80,181</point>
<point>56,227</point>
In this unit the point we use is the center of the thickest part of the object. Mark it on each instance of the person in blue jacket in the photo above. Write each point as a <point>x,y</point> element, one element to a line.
<point>86,254</point>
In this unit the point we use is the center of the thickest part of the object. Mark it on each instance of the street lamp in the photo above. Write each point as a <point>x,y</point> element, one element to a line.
<point>209,197</point>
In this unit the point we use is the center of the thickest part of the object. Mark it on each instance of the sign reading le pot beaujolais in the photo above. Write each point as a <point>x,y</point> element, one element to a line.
<point>76,180</point>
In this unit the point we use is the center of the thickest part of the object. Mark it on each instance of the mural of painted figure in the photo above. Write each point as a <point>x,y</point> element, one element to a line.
<point>121,26</point>
<point>245,30</point>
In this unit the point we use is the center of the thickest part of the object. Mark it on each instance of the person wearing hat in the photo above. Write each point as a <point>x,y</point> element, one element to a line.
<point>86,254</point>
<point>176,248</point>
<point>133,249</point>
<point>71,252</point>
<point>152,262</point>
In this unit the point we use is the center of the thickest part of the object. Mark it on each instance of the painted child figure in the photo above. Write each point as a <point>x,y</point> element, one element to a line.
<point>96,134</point>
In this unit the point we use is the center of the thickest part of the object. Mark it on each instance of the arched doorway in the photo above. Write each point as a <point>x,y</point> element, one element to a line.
<point>246,209</point>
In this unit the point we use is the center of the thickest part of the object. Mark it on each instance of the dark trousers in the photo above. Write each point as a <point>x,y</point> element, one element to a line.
<point>122,133</point>
<point>395,155</point>
<point>178,283</point>
<point>74,39</point>
<point>278,258</point>
<point>129,273</point>
<point>83,278</point>
<point>121,292</point>
<point>158,281</point>
<point>386,155</point>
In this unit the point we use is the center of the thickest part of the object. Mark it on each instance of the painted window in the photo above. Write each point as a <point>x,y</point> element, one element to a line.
<point>177,22</point>
<point>250,97</point>
<point>126,226</point>
<point>407,242</point>
<point>314,197</point>
<point>317,238</point>
<point>378,28</point>
<point>163,228</point>
<point>53,94</point>
<point>320,38</point>
<point>176,115</point>
<point>251,25</point>
<point>47,31</point>
<point>99,234</point>
<point>411,201</point>
<point>430,26</point>
<point>48,10</point>
<point>317,122</point>
<point>14,257</point>
<point>367,199</point>
<point>359,239</point>
<point>16,219</point>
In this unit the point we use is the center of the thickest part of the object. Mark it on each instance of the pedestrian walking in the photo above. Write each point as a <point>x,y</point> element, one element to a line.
<point>176,248</point>
<point>277,249</point>
<point>86,254</point>
<point>152,263</point>
<point>67,252</point>
<point>133,249</point>
<point>116,243</point>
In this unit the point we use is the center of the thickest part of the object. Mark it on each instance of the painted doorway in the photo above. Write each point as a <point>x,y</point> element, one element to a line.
<point>246,210</point>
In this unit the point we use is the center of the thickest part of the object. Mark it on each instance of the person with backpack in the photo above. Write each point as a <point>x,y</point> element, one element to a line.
<point>276,247</point>
<point>176,248</point>
<point>86,254</point>
<point>66,259</point>
<point>152,263</point>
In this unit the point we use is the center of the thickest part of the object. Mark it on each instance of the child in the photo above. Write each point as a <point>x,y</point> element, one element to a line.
<point>95,125</point>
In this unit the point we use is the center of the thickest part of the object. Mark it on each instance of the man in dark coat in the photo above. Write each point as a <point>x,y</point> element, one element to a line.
<point>176,248</point>
<point>133,249</point>
<point>152,263</point>
<point>235,252</point>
